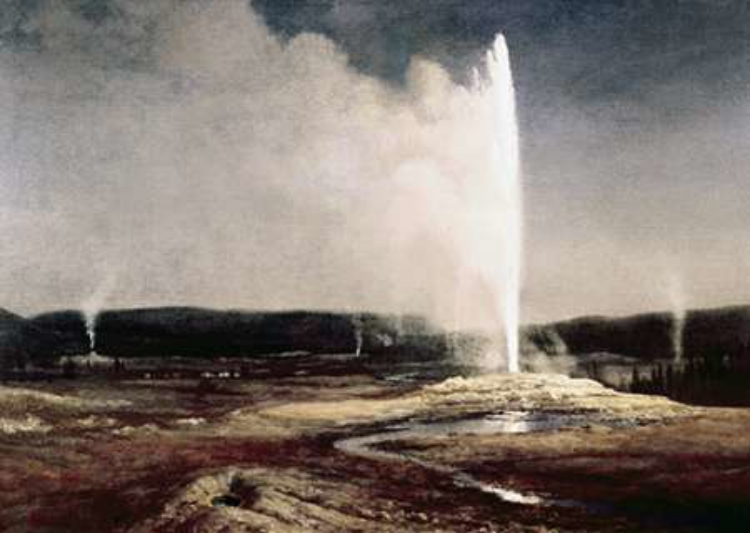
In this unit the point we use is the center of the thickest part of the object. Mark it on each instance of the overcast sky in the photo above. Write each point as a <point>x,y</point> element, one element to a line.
<point>307,154</point>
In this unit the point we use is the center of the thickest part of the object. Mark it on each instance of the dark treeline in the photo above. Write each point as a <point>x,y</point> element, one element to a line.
<point>185,332</point>
<point>711,333</point>
<point>716,343</point>
<point>706,380</point>
<point>192,332</point>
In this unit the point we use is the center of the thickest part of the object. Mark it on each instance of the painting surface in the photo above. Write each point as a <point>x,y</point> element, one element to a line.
<point>358,265</point>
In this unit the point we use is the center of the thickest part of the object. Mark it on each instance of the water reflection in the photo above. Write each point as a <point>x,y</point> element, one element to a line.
<point>505,422</point>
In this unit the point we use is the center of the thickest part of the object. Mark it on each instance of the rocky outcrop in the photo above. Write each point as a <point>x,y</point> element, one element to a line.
<point>261,499</point>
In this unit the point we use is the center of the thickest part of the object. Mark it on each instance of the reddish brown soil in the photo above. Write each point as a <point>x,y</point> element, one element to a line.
<point>689,476</point>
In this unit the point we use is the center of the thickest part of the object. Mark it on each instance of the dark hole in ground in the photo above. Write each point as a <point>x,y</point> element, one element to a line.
<point>240,493</point>
<point>226,500</point>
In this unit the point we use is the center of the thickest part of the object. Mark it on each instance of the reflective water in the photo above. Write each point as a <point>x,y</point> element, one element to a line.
<point>507,422</point>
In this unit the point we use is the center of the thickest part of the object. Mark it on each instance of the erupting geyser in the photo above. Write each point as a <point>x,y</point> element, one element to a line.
<point>505,161</point>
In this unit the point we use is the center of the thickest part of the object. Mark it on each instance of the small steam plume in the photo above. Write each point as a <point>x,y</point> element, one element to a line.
<point>676,293</point>
<point>358,333</point>
<point>93,305</point>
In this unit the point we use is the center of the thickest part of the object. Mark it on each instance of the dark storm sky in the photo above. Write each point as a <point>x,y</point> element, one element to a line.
<point>592,51</point>
<point>635,120</point>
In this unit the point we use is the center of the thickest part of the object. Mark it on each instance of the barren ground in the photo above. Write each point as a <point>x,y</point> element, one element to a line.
<point>260,455</point>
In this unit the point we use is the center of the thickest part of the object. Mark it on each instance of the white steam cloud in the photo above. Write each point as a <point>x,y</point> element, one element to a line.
<point>217,165</point>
